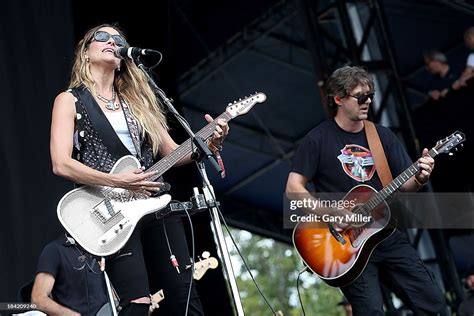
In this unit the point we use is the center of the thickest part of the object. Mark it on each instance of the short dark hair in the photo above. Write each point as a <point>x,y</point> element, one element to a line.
<point>343,80</point>
<point>435,55</point>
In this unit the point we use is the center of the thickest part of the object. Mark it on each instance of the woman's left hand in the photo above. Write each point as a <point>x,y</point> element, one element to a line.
<point>222,129</point>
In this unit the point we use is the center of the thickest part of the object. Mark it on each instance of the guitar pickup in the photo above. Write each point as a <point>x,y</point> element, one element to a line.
<point>103,211</point>
<point>113,232</point>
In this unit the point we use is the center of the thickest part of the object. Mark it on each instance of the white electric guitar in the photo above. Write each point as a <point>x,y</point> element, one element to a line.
<point>101,219</point>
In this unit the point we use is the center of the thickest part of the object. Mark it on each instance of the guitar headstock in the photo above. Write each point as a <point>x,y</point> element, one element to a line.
<point>203,265</point>
<point>446,145</point>
<point>242,106</point>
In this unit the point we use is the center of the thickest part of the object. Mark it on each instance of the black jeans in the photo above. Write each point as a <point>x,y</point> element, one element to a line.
<point>143,266</point>
<point>397,265</point>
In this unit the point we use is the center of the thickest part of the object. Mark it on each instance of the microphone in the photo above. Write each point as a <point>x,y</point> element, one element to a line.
<point>133,52</point>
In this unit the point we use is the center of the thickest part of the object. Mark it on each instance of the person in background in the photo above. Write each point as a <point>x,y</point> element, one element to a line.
<point>68,280</point>
<point>468,72</point>
<point>444,75</point>
<point>466,308</point>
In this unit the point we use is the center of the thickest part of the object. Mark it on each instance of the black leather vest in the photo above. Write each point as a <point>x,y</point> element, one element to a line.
<point>95,142</point>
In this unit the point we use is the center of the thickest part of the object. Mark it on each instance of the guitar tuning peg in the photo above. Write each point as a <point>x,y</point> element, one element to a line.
<point>450,154</point>
<point>205,254</point>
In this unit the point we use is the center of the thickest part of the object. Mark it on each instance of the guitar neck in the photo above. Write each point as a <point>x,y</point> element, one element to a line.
<point>165,163</point>
<point>396,183</point>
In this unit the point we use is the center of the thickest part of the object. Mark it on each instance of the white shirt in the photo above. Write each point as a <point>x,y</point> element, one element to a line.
<point>470,60</point>
<point>117,120</point>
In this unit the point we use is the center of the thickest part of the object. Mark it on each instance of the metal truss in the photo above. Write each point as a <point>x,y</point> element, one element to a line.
<point>341,32</point>
<point>238,44</point>
<point>267,26</point>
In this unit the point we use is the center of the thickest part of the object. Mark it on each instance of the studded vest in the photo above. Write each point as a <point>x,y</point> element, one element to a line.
<point>94,143</point>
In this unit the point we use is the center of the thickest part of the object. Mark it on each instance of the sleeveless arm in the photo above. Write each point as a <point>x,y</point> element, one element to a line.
<point>61,145</point>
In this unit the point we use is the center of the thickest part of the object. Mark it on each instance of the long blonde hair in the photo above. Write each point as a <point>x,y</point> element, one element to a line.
<point>130,83</point>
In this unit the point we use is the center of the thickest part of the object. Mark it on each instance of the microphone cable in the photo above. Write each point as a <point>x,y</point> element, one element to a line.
<point>193,267</point>
<point>150,69</point>
<point>193,251</point>
<point>242,257</point>
<point>298,288</point>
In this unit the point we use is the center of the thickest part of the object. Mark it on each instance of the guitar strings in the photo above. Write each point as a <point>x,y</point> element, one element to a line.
<point>377,199</point>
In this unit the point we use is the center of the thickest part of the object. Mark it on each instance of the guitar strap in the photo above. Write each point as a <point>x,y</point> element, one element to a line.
<point>378,154</point>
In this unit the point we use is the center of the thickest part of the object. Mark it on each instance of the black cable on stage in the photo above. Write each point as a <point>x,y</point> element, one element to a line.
<point>193,252</point>
<point>241,257</point>
<point>298,288</point>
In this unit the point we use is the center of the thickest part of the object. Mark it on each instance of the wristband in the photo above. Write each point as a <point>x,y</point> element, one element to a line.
<point>213,147</point>
<point>418,182</point>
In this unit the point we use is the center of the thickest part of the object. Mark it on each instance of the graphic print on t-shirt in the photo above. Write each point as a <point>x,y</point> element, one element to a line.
<point>357,162</point>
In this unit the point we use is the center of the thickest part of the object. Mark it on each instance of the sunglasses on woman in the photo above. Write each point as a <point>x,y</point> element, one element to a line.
<point>361,99</point>
<point>103,36</point>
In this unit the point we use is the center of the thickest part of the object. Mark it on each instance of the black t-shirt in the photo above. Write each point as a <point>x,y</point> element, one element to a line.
<point>336,160</point>
<point>466,308</point>
<point>79,283</point>
<point>441,83</point>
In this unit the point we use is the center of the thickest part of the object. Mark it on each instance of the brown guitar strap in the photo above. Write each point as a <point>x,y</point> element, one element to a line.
<point>380,160</point>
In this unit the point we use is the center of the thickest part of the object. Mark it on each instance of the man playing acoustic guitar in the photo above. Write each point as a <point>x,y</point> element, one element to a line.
<point>336,157</point>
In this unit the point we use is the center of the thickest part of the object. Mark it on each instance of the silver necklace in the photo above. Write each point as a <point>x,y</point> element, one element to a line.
<point>109,103</point>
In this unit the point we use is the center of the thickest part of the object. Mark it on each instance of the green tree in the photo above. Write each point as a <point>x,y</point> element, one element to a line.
<point>275,267</point>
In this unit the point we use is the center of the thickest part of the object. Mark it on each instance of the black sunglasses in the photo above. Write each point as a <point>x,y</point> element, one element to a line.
<point>361,99</point>
<point>103,36</point>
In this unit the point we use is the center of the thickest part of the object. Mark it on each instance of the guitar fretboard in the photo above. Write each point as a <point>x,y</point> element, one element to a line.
<point>392,187</point>
<point>165,163</point>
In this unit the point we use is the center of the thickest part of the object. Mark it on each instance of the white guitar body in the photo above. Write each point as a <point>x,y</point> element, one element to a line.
<point>101,219</point>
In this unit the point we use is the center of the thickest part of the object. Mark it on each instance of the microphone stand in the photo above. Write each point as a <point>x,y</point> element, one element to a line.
<point>209,195</point>
<point>201,153</point>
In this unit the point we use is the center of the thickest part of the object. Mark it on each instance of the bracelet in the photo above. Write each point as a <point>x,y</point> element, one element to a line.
<point>213,147</point>
<point>216,150</point>
<point>418,182</point>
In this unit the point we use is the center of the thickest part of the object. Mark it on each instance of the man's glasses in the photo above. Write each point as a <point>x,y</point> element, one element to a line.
<point>102,36</point>
<point>361,99</point>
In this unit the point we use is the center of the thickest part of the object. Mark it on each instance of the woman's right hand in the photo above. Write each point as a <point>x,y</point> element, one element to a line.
<point>137,180</point>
